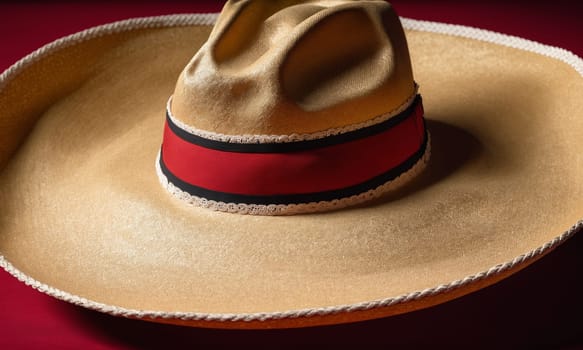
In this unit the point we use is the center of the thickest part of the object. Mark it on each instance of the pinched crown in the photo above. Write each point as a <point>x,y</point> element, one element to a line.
<point>295,107</point>
<point>289,66</point>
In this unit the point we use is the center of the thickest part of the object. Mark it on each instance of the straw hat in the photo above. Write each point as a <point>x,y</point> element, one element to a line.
<point>258,210</point>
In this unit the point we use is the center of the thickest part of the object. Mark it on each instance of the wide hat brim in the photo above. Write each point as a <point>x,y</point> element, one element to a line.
<point>83,217</point>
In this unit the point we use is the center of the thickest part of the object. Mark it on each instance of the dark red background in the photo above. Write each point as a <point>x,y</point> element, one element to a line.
<point>538,307</point>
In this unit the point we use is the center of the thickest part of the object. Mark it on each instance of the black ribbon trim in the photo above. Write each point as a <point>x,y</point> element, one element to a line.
<point>296,198</point>
<point>295,146</point>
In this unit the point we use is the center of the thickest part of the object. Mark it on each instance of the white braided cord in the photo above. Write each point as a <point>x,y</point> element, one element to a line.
<point>258,138</point>
<point>103,30</point>
<point>208,19</point>
<point>299,208</point>
<point>497,38</point>
<point>292,314</point>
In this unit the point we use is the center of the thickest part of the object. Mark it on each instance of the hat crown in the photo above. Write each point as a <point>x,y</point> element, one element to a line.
<point>295,107</point>
<point>284,67</point>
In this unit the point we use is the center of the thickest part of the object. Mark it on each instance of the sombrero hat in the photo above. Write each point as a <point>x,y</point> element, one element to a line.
<point>85,219</point>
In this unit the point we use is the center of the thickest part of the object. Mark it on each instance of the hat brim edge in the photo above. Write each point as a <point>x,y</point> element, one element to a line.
<point>310,316</point>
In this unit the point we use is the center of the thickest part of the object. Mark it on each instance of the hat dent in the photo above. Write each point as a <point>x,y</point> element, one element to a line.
<point>102,234</point>
<point>277,68</point>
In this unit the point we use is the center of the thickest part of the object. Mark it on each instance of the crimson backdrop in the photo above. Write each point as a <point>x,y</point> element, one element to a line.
<point>538,306</point>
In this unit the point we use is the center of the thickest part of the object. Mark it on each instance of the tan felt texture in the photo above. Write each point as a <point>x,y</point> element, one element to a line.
<point>81,208</point>
<point>282,67</point>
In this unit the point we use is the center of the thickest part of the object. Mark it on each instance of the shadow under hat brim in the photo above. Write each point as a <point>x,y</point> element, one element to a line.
<point>84,218</point>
